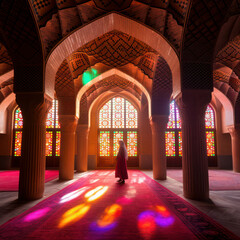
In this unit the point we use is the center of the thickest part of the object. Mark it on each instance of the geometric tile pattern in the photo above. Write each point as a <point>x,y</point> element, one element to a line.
<point>115,49</point>
<point>4,56</point>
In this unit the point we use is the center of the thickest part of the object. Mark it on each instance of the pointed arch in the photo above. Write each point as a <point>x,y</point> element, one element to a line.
<point>101,26</point>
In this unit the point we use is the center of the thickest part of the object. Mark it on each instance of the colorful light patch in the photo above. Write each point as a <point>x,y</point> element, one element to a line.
<point>210,143</point>
<point>104,143</point>
<point>96,193</point>
<point>178,119</point>
<point>132,143</point>
<point>117,135</point>
<point>36,214</point>
<point>209,118</point>
<point>105,116</point>
<point>131,116</point>
<point>49,139</point>
<point>58,143</point>
<point>18,118</point>
<point>73,215</point>
<point>180,144</point>
<point>89,75</point>
<point>18,143</point>
<point>72,195</point>
<point>118,112</point>
<point>170,144</point>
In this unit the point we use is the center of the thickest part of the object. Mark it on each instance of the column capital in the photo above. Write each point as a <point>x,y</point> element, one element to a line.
<point>82,127</point>
<point>68,122</point>
<point>194,98</point>
<point>158,123</point>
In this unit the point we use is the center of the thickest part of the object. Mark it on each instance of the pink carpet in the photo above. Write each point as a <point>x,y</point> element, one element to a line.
<point>96,207</point>
<point>9,179</point>
<point>219,180</point>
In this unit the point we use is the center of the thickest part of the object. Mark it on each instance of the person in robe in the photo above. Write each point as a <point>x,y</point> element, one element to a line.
<point>121,167</point>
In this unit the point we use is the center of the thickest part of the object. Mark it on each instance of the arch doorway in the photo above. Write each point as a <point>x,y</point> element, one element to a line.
<point>117,119</point>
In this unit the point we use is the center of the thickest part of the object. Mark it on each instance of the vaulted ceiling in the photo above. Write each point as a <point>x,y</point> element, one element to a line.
<point>56,19</point>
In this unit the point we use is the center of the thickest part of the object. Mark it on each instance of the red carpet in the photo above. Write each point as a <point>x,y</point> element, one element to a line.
<point>219,180</point>
<point>96,207</point>
<point>9,179</point>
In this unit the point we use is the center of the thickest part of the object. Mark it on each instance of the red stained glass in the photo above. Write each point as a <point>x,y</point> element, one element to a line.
<point>18,143</point>
<point>171,120</point>
<point>132,143</point>
<point>18,119</point>
<point>104,143</point>
<point>210,143</point>
<point>131,116</point>
<point>209,118</point>
<point>118,112</point>
<point>105,116</point>
<point>58,143</point>
<point>180,143</point>
<point>170,144</point>
<point>117,135</point>
<point>49,139</point>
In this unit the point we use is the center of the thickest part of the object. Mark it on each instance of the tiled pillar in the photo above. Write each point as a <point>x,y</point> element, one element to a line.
<point>235,136</point>
<point>68,128</point>
<point>158,125</point>
<point>82,145</point>
<point>192,106</point>
<point>34,107</point>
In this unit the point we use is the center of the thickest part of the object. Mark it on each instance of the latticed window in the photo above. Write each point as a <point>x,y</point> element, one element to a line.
<point>118,119</point>
<point>173,135</point>
<point>53,133</point>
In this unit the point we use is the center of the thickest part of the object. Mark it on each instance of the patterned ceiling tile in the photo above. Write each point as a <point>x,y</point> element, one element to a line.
<point>4,56</point>
<point>112,5</point>
<point>64,81</point>
<point>115,49</point>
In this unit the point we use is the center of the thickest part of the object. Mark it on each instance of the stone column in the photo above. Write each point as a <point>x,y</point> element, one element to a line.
<point>235,136</point>
<point>68,128</point>
<point>34,107</point>
<point>82,145</point>
<point>192,105</point>
<point>158,125</point>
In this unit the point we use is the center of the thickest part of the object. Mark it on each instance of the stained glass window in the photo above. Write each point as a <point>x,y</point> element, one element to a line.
<point>18,119</point>
<point>58,137</point>
<point>132,143</point>
<point>117,135</point>
<point>105,116</point>
<point>210,143</point>
<point>209,118</point>
<point>171,120</point>
<point>115,117</point>
<point>170,143</point>
<point>174,126</point>
<point>104,143</point>
<point>18,143</point>
<point>118,112</point>
<point>49,140</point>
<point>52,135</point>
<point>180,144</point>
<point>131,116</point>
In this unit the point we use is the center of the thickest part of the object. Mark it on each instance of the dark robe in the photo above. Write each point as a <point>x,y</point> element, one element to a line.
<point>121,167</point>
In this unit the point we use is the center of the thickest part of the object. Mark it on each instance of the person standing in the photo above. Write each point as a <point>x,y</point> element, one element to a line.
<point>121,167</point>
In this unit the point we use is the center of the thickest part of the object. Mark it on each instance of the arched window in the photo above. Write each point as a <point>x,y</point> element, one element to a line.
<point>173,136</point>
<point>53,136</point>
<point>118,119</point>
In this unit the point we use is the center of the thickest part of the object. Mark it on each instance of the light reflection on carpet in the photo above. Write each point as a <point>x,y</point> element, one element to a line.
<point>104,209</point>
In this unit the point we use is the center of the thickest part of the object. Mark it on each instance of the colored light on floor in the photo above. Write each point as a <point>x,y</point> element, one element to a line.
<point>72,195</point>
<point>146,224</point>
<point>95,193</point>
<point>109,216</point>
<point>124,200</point>
<point>74,214</point>
<point>36,215</point>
